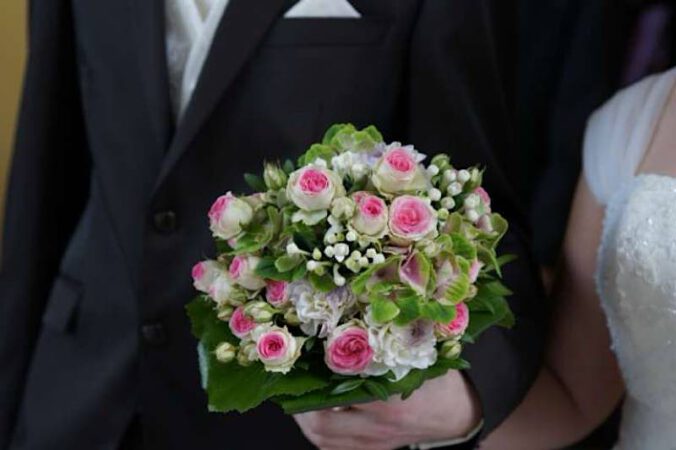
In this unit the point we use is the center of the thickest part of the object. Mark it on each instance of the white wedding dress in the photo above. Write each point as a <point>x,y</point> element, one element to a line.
<point>636,269</point>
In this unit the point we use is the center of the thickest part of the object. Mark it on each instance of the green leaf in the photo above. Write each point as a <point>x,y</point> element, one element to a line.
<point>322,283</point>
<point>287,263</point>
<point>335,129</point>
<point>370,277</point>
<point>458,290</point>
<point>409,309</point>
<point>384,310</point>
<point>299,272</point>
<point>347,386</point>
<point>317,151</point>
<point>438,312</point>
<point>288,167</point>
<point>463,247</point>
<point>266,269</point>
<point>255,182</point>
<point>498,313</point>
<point>376,389</point>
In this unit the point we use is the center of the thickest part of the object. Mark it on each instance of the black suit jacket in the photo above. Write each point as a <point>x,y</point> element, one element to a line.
<point>107,201</point>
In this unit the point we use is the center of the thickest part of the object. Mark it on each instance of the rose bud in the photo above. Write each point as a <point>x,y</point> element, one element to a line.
<point>242,271</point>
<point>224,312</point>
<point>412,218</point>
<point>450,349</point>
<point>247,353</point>
<point>342,208</point>
<point>240,324</point>
<point>347,350</point>
<point>228,215</point>
<point>204,273</point>
<point>456,327</point>
<point>277,292</point>
<point>275,178</point>
<point>260,311</point>
<point>398,171</point>
<point>485,199</point>
<point>225,352</point>
<point>277,349</point>
<point>371,216</point>
<point>313,188</point>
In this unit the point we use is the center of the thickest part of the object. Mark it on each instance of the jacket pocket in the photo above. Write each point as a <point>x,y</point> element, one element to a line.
<point>64,299</point>
<point>312,32</point>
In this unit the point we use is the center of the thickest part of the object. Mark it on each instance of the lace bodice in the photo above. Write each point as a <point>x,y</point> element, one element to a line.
<point>636,268</point>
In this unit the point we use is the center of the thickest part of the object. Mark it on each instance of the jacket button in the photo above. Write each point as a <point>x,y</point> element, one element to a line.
<point>154,333</point>
<point>165,221</point>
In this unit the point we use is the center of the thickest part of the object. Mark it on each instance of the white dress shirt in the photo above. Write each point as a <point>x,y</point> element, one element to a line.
<point>190,28</point>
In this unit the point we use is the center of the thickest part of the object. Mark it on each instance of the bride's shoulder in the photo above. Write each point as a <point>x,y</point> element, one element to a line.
<point>620,130</point>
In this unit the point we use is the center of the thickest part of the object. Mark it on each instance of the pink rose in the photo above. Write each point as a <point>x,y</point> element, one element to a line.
<point>240,324</point>
<point>314,188</point>
<point>242,272</point>
<point>277,349</point>
<point>399,170</point>
<point>412,218</point>
<point>228,215</point>
<point>371,215</point>
<point>457,326</point>
<point>347,350</point>
<point>204,273</point>
<point>276,292</point>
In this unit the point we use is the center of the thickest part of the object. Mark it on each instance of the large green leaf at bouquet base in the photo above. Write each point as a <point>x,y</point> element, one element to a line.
<point>231,387</point>
<point>372,389</point>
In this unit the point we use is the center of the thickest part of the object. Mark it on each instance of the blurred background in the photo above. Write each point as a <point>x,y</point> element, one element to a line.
<point>12,56</point>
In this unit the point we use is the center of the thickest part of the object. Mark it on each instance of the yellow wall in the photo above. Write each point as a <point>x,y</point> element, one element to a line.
<point>12,55</point>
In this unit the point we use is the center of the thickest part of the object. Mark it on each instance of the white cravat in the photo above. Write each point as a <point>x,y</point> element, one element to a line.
<point>190,28</point>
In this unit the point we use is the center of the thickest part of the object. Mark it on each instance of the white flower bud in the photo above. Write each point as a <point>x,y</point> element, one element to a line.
<point>320,162</point>
<point>443,214</point>
<point>247,354</point>
<point>472,201</point>
<point>317,254</point>
<point>355,254</point>
<point>329,251</point>
<point>351,236</point>
<point>331,238</point>
<point>432,170</point>
<point>338,279</point>
<point>224,312</point>
<point>454,188</point>
<point>448,203</point>
<point>450,175</point>
<point>371,253</point>
<point>312,265</point>
<point>342,249</point>
<point>353,265</point>
<point>225,352</point>
<point>472,215</point>
<point>463,176</point>
<point>434,194</point>
<point>292,249</point>
<point>364,261</point>
<point>340,258</point>
<point>379,258</point>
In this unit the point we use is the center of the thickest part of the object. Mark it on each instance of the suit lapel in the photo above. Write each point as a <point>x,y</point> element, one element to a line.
<point>243,25</point>
<point>149,43</point>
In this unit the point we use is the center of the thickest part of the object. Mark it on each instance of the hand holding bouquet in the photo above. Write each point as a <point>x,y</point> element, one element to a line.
<point>352,276</point>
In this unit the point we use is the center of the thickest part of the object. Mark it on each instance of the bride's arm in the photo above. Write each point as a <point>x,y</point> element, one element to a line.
<point>580,383</point>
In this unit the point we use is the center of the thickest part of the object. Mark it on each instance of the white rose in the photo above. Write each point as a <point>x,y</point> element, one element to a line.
<point>401,349</point>
<point>242,272</point>
<point>222,290</point>
<point>228,215</point>
<point>276,348</point>
<point>313,188</point>
<point>398,171</point>
<point>204,273</point>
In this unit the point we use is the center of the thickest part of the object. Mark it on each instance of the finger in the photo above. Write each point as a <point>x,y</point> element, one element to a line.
<point>344,429</point>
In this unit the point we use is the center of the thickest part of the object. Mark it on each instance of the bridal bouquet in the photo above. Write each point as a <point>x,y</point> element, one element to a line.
<point>353,275</point>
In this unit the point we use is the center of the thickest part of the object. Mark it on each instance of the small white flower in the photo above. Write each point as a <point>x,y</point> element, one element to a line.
<point>312,265</point>
<point>329,251</point>
<point>443,214</point>
<point>319,313</point>
<point>434,194</point>
<point>342,249</point>
<point>472,215</point>
<point>454,188</point>
<point>448,203</point>
<point>292,249</point>
<point>355,254</point>
<point>364,261</point>
<point>379,258</point>
<point>351,236</point>
<point>464,176</point>
<point>371,253</point>
<point>472,201</point>
<point>317,254</point>
<point>432,170</point>
<point>331,238</point>
<point>450,175</point>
